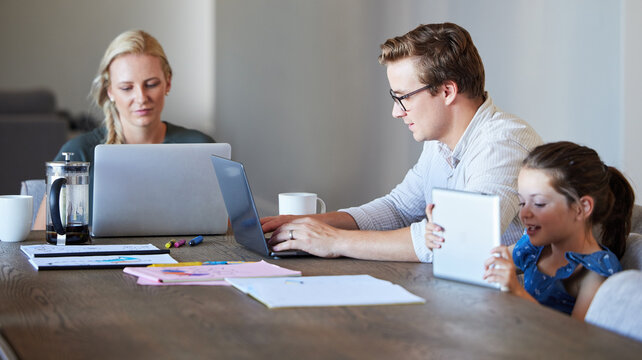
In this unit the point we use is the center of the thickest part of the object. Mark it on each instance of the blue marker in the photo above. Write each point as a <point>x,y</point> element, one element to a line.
<point>195,241</point>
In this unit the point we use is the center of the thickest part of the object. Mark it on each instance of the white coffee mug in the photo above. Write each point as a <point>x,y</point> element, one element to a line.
<point>16,214</point>
<point>300,203</point>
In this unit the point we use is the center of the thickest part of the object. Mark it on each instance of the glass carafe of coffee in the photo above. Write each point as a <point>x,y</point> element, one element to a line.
<point>67,201</point>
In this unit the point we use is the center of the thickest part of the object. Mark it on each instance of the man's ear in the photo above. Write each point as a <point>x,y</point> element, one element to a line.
<point>585,207</point>
<point>450,91</point>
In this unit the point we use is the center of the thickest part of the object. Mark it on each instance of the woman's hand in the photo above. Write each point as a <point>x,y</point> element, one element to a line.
<point>433,241</point>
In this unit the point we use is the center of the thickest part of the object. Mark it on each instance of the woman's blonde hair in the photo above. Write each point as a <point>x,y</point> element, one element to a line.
<point>129,42</point>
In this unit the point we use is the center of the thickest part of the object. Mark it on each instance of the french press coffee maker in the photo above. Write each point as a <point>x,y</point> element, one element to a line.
<point>67,201</point>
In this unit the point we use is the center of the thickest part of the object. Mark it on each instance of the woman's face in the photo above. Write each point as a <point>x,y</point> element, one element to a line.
<point>138,88</point>
<point>545,213</point>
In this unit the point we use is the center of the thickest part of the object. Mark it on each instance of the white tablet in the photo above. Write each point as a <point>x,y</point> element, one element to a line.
<point>471,223</point>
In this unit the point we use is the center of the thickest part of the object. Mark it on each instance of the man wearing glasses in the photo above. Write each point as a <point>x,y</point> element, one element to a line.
<point>436,81</point>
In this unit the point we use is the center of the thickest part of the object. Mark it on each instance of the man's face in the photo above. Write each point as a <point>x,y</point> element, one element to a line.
<point>425,114</point>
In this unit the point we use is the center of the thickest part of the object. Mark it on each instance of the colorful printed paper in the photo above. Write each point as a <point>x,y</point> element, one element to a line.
<point>98,262</point>
<point>48,249</point>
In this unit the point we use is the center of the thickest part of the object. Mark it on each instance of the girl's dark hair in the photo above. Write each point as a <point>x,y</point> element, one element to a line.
<point>577,171</point>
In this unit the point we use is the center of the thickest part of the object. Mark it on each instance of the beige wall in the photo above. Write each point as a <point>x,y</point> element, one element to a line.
<point>294,85</point>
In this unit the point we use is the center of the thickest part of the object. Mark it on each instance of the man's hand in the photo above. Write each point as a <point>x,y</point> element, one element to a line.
<point>271,223</point>
<point>309,235</point>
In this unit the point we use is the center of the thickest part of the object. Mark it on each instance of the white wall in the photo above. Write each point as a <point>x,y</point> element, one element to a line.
<point>304,102</point>
<point>631,78</point>
<point>57,44</point>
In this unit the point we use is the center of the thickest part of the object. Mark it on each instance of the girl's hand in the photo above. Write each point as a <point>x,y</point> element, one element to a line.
<point>500,269</point>
<point>433,241</point>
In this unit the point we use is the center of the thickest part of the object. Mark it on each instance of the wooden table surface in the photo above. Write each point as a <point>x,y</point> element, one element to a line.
<point>104,314</point>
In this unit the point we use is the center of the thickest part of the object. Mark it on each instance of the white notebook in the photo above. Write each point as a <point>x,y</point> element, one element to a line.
<point>342,290</point>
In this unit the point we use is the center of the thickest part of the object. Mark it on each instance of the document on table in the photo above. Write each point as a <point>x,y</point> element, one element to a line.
<point>201,273</point>
<point>99,262</point>
<point>343,290</point>
<point>143,281</point>
<point>48,250</point>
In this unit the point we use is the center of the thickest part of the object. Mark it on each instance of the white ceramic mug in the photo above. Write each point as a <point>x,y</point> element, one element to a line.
<point>16,214</point>
<point>300,203</point>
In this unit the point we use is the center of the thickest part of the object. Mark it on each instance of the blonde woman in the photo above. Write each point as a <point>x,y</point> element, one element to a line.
<point>133,79</point>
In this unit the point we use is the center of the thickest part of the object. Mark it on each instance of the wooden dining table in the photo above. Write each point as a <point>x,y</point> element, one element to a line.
<point>105,314</point>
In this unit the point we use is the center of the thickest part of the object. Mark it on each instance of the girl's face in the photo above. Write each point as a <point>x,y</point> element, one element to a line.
<point>138,88</point>
<point>546,214</point>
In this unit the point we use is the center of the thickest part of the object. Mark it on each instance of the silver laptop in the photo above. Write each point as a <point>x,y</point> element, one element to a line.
<point>242,210</point>
<point>471,223</point>
<point>157,189</point>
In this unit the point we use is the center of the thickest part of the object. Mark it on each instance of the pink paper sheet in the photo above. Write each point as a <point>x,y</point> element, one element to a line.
<point>207,273</point>
<point>142,281</point>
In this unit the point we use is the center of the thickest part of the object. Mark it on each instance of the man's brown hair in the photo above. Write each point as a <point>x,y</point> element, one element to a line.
<point>443,52</point>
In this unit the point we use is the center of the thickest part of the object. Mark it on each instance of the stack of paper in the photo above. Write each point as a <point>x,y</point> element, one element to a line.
<point>49,257</point>
<point>325,291</point>
<point>206,274</point>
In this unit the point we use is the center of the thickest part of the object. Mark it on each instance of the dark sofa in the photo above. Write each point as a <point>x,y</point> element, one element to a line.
<point>31,133</point>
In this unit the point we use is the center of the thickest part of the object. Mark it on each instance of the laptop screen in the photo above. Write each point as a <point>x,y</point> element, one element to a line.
<point>240,204</point>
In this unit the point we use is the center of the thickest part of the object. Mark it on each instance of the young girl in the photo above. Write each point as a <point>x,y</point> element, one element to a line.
<point>564,190</point>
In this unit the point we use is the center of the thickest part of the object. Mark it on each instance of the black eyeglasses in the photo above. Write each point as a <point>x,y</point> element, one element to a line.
<point>398,99</point>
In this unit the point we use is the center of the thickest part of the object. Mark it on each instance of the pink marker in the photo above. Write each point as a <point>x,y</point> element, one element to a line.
<point>179,243</point>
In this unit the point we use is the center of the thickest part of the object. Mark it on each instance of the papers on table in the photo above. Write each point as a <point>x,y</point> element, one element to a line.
<point>274,286</point>
<point>50,257</point>
<point>48,250</point>
<point>205,273</point>
<point>325,291</point>
<point>99,262</point>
